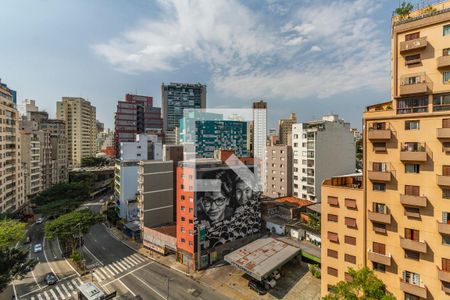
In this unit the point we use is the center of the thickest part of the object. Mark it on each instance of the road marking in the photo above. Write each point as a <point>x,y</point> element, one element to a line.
<point>132,259</point>
<point>34,277</point>
<point>122,265</point>
<point>45,255</point>
<point>79,281</point>
<point>117,267</point>
<point>106,268</point>
<point>92,254</point>
<point>125,263</point>
<point>40,297</point>
<point>147,285</point>
<point>53,294</point>
<point>102,271</point>
<point>134,295</point>
<point>60,293</point>
<point>131,272</point>
<point>46,295</point>
<point>32,298</point>
<point>14,289</point>
<point>59,246</point>
<point>139,258</point>
<point>97,277</point>
<point>65,290</point>
<point>111,270</point>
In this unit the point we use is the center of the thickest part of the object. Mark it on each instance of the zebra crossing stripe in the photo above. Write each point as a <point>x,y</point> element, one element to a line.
<point>69,285</point>
<point>75,284</point>
<point>65,290</point>
<point>53,294</point>
<point>107,269</point>
<point>117,267</point>
<point>32,298</point>
<point>122,265</point>
<point>80,282</point>
<point>128,261</point>
<point>103,271</point>
<point>40,297</point>
<point>97,277</point>
<point>47,296</point>
<point>125,263</point>
<point>138,257</point>
<point>111,267</point>
<point>133,260</point>
<point>60,293</point>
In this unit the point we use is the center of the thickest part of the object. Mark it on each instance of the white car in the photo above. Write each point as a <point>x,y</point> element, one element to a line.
<point>37,248</point>
<point>39,220</point>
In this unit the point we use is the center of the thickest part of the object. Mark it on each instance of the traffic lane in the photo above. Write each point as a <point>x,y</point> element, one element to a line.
<point>57,263</point>
<point>104,247</point>
<point>137,286</point>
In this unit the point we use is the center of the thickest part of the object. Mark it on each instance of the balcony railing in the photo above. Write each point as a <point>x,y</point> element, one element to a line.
<point>415,44</point>
<point>413,289</point>
<point>379,217</point>
<point>380,132</point>
<point>443,180</point>
<point>443,275</point>
<point>417,246</point>
<point>412,200</point>
<point>444,228</point>
<point>420,85</point>
<point>443,133</point>
<point>415,152</point>
<point>379,258</point>
<point>380,171</point>
<point>443,62</point>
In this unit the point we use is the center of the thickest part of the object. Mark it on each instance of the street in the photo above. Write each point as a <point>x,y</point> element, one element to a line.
<point>113,267</point>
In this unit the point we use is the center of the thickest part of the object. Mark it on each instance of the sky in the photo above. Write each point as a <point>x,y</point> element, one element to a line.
<point>311,57</point>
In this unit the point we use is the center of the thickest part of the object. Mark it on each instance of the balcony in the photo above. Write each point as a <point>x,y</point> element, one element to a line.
<point>443,133</point>
<point>416,44</point>
<point>413,289</point>
<point>384,176</point>
<point>444,228</point>
<point>379,217</point>
<point>411,200</point>
<point>379,258</point>
<point>379,134</point>
<point>418,246</point>
<point>443,180</point>
<point>413,156</point>
<point>443,275</point>
<point>443,62</point>
<point>413,89</point>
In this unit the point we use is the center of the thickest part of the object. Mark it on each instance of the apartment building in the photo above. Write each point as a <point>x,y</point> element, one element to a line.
<point>343,229</point>
<point>321,149</point>
<point>260,136</point>
<point>285,129</point>
<point>31,152</point>
<point>11,176</point>
<point>81,128</point>
<point>134,116</point>
<point>279,171</point>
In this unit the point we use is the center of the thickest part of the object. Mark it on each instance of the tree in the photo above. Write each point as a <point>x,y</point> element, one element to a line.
<point>70,226</point>
<point>14,262</point>
<point>94,161</point>
<point>61,198</point>
<point>363,285</point>
<point>404,10</point>
<point>359,153</point>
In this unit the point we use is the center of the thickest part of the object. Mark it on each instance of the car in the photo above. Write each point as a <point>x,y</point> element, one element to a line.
<point>40,221</point>
<point>51,279</point>
<point>257,287</point>
<point>37,248</point>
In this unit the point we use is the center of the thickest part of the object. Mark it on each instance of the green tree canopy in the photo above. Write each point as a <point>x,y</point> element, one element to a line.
<point>364,285</point>
<point>61,198</point>
<point>94,161</point>
<point>68,226</point>
<point>404,9</point>
<point>11,231</point>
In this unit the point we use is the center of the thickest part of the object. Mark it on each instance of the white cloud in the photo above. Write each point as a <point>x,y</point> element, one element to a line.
<point>322,48</point>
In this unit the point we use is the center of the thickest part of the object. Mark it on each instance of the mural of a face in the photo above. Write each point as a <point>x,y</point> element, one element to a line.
<point>214,205</point>
<point>244,193</point>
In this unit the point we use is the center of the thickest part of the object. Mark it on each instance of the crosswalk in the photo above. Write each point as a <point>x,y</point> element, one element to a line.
<point>66,289</point>
<point>118,267</point>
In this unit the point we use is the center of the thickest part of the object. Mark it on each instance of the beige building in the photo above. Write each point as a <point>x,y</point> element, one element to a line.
<point>11,174</point>
<point>285,129</point>
<point>30,150</point>
<point>279,171</point>
<point>407,164</point>
<point>81,128</point>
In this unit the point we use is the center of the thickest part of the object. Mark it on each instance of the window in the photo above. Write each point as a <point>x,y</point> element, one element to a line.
<point>191,243</point>
<point>412,168</point>
<point>183,208</point>
<point>191,222</point>
<point>446,170</point>
<point>412,59</point>
<point>332,253</point>
<point>379,146</point>
<point>182,230</point>
<point>379,208</point>
<point>441,102</point>
<point>446,240</point>
<point>348,277</point>
<point>446,76</point>
<point>332,271</point>
<point>350,240</point>
<point>446,122</point>
<point>446,264</point>
<point>379,267</point>
<point>379,167</point>
<point>412,255</point>
<point>332,218</point>
<point>446,52</point>
<point>412,125</point>
<point>183,240</point>
<point>182,197</point>
<point>446,193</point>
<point>350,222</point>
<point>412,190</point>
<point>350,258</point>
<point>446,30</point>
<point>412,105</point>
<point>411,234</point>
<point>411,277</point>
<point>350,203</point>
<point>333,237</point>
<point>381,187</point>
<point>379,248</point>
<point>412,212</point>
<point>413,36</point>
<point>333,201</point>
<point>183,219</point>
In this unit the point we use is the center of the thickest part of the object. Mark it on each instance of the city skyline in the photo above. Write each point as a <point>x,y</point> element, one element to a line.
<point>75,59</point>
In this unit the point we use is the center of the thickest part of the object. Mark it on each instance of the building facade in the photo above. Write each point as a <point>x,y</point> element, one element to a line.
<point>316,145</point>
<point>285,129</point>
<point>175,97</point>
<point>12,194</point>
<point>81,128</point>
<point>135,115</point>
<point>260,136</point>
<point>279,171</point>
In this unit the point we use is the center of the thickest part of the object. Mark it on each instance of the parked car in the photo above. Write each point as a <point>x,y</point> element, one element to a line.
<point>40,221</point>
<point>37,248</point>
<point>257,287</point>
<point>51,279</point>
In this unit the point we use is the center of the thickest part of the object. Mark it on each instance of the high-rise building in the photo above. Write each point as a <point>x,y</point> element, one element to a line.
<point>11,178</point>
<point>259,137</point>
<point>81,128</point>
<point>135,115</point>
<point>250,137</point>
<point>406,158</point>
<point>279,171</point>
<point>316,145</point>
<point>175,97</point>
<point>285,129</point>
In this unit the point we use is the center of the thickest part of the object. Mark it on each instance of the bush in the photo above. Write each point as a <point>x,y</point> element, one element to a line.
<point>315,270</point>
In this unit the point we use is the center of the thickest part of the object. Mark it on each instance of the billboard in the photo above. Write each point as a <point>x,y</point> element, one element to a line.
<point>229,214</point>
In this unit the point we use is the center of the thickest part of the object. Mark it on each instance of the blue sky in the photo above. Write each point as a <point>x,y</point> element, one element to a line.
<point>309,57</point>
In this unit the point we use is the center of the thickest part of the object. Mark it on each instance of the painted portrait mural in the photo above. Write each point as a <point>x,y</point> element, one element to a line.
<point>230,214</point>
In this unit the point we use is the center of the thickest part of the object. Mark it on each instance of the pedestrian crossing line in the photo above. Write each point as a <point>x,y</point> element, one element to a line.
<point>32,298</point>
<point>46,295</point>
<point>65,289</point>
<point>40,297</point>
<point>138,257</point>
<point>70,286</point>
<point>121,265</point>
<point>80,282</point>
<point>113,269</point>
<point>117,267</point>
<point>100,273</point>
<point>107,273</point>
<point>60,293</point>
<point>125,263</point>
<point>97,277</point>
<point>132,259</point>
<point>107,269</point>
<point>52,292</point>
<point>129,261</point>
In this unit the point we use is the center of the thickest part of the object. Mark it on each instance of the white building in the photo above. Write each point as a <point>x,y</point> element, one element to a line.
<point>146,147</point>
<point>321,149</point>
<point>260,136</point>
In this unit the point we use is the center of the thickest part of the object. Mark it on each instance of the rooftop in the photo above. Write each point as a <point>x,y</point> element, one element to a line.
<point>296,201</point>
<point>350,181</point>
